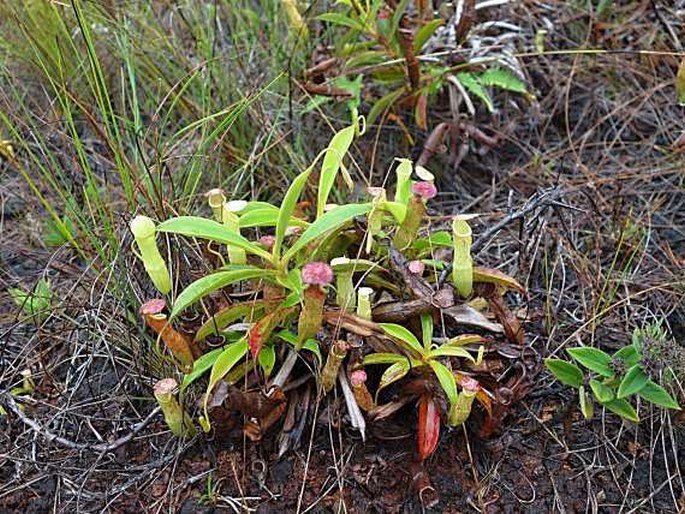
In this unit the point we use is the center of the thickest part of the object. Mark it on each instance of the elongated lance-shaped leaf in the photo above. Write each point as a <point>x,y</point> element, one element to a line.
<point>399,333</point>
<point>202,287</point>
<point>633,381</point>
<point>332,161</point>
<point>565,372</point>
<point>452,351</point>
<point>602,392</point>
<point>427,331</point>
<point>266,218</point>
<point>393,374</point>
<point>287,208</point>
<point>623,409</point>
<point>593,359</point>
<point>446,379</point>
<point>228,358</point>
<point>329,222</point>
<point>383,358</point>
<point>224,317</point>
<point>657,395</point>
<point>200,367</point>
<point>193,226</point>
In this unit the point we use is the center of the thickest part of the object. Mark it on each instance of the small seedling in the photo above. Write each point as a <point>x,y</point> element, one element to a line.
<point>34,304</point>
<point>637,369</point>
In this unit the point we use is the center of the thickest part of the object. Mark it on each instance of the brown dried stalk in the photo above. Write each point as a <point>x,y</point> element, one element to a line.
<point>406,36</point>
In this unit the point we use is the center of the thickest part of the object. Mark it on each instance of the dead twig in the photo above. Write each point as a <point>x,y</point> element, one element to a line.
<point>10,404</point>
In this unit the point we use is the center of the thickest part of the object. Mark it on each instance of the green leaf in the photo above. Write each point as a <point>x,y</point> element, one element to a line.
<point>452,351</point>
<point>290,200</point>
<point>473,86</point>
<point>224,317</point>
<point>227,359</point>
<point>633,381</point>
<point>365,58</point>
<point>623,409</point>
<point>309,345</point>
<point>330,221</point>
<point>341,19</point>
<point>267,218</point>
<point>211,283</point>
<point>629,355</point>
<point>399,333</point>
<point>382,104</point>
<point>657,395</point>
<point>427,331</point>
<point>332,161</point>
<point>585,403</point>
<point>383,358</point>
<point>446,379</point>
<point>393,374</point>
<point>267,359</point>
<point>503,79</point>
<point>593,359</point>
<point>602,392</point>
<point>200,367</point>
<point>424,33</point>
<point>35,303</point>
<point>397,209</point>
<point>193,226</point>
<point>565,372</point>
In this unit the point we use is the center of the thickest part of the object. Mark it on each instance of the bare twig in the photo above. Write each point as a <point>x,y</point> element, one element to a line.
<point>10,404</point>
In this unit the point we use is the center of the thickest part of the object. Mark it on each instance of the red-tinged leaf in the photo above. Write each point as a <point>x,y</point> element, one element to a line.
<point>261,331</point>
<point>485,401</point>
<point>512,327</point>
<point>256,338</point>
<point>429,427</point>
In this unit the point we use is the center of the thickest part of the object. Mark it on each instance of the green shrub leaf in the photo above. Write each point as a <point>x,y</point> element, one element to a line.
<point>267,359</point>
<point>194,226</point>
<point>446,379</point>
<point>623,409</point>
<point>341,19</point>
<point>657,395</point>
<point>393,374</point>
<point>629,355</point>
<point>382,104</point>
<point>452,351</point>
<point>503,79</point>
<point>202,287</point>
<point>602,392</point>
<point>266,218</point>
<point>634,380</point>
<point>565,372</point>
<point>593,359</point>
<point>200,367</point>
<point>586,406</point>
<point>290,200</point>
<point>473,86</point>
<point>332,161</point>
<point>399,333</point>
<point>424,33</point>
<point>383,358</point>
<point>225,361</point>
<point>224,317</point>
<point>329,222</point>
